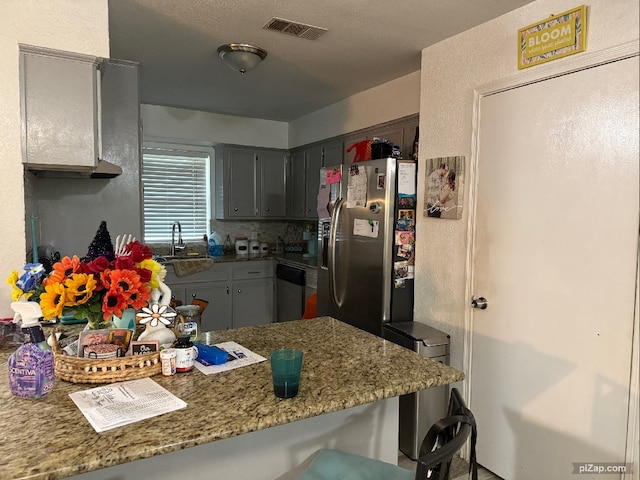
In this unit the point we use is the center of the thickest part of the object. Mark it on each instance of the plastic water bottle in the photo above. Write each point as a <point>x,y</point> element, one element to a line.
<point>214,246</point>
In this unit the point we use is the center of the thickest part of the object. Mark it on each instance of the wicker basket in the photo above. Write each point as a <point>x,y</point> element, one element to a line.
<point>108,370</point>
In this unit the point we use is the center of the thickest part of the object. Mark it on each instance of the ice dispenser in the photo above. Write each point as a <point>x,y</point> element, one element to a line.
<point>420,410</point>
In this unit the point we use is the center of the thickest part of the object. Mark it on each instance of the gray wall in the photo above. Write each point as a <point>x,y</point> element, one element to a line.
<point>70,210</point>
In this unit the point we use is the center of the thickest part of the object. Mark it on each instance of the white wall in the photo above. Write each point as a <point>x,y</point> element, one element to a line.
<point>452,69</point>
<point>389,101</point>
<point>65,25</point>
<point>202,128</point>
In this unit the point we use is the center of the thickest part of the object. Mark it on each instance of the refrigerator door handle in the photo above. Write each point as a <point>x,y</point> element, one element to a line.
<point>335,218</point>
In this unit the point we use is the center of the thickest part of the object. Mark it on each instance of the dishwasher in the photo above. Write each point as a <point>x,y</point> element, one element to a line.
<point>290,290</point>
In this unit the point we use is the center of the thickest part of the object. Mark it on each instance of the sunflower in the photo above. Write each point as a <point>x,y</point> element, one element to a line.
<point>52,300</point>
<point>113,303</point>
<point>138,298</point>
<point>80,287</point>
<point>125,281</point>
<point>63,270</point>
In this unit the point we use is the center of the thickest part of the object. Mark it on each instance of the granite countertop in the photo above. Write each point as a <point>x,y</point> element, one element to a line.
<point>343,367</point>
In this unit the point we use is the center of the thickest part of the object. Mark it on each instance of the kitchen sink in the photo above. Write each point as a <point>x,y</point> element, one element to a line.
<point>174,258</point>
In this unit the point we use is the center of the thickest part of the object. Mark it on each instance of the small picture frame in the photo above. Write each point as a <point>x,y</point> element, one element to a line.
<point>143,347</point>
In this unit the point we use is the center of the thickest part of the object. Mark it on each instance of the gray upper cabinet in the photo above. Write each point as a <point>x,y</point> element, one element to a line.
<point>313,163</point>
<point>60,102</point>
<point>332,153</point>
<point>296,186</point>
<point>304,181</point>
<point>349,150</point>
<point>250,183</point>
<point>409,136</point>
<point>399,132</point>
<point>273,182</point>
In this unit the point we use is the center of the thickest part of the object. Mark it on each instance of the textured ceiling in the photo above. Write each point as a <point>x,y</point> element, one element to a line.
<point>369,42</point>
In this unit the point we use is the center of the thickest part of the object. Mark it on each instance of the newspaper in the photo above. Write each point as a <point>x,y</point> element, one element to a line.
<point>122,403</point>
<point>239,356</point>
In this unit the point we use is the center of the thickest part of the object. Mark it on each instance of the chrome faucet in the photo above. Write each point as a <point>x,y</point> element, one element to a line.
<point>180,245</point>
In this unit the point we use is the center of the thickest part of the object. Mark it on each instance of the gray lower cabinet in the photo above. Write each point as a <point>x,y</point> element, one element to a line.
<point>239,294</point>
<point>250,183</point>
<point>216,315</point>
<point>252,293</point>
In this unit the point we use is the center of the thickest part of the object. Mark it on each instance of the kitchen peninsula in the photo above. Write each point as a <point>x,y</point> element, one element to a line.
<point>233,423</point>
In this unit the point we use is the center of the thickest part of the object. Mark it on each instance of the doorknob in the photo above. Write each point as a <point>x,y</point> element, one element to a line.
<point>479,302</point>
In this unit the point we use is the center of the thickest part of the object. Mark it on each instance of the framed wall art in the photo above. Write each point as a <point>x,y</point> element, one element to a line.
<point>443,187</point>
<point>555,37</point>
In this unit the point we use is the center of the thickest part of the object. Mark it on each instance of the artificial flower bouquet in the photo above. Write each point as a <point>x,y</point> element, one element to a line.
<point>97,287</point>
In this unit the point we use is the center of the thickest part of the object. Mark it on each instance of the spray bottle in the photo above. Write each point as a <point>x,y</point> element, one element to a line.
<point>31,366</point>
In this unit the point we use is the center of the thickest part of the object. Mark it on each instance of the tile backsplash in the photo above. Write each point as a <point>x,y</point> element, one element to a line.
<point>291,233</point>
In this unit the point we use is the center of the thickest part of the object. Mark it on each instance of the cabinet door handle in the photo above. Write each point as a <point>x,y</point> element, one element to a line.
<point>227,290</point>
<point>239,290</point>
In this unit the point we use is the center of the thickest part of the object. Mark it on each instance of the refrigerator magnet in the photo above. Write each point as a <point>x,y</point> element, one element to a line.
<point>366,228</point>
<point>404,238</point>
<point>382,181</point>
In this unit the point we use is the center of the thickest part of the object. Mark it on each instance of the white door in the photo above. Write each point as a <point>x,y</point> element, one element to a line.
<point>555,255</point>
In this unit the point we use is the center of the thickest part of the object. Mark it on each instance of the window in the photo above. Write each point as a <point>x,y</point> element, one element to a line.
<point>176,187</point>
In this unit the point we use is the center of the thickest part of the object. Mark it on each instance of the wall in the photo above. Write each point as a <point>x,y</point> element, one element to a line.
<point>65,25</point>
<point>389,101</point>
<point>202,128</point>
<point>70,210</point>
<point>465,62</point>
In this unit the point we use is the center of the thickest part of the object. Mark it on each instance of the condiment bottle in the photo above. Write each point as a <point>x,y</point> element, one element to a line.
<point>186,353</point>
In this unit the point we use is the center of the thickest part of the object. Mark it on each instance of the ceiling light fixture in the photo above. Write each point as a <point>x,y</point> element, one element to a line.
<point>241,57</point>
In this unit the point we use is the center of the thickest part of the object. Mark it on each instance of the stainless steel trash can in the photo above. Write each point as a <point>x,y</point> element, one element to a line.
<point>420,410</point>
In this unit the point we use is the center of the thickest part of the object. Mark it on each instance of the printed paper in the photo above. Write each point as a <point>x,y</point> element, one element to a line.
<point>122,403</point>
<point>406,179</point>
<point>366,228</point>
<point>239,356</point>
<point>357,187</point>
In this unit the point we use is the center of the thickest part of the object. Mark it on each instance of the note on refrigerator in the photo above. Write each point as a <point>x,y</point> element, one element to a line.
<point>357,187</point>
<point>406,179</point>
<point>366,228</point>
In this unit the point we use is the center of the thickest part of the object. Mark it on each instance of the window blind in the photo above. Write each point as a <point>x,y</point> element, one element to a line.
<point>175,189</point>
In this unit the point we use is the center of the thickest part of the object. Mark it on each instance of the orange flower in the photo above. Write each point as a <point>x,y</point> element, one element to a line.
<point>124,281</point>
<point>113,303</point>
<point>138,298</point>
<point>63,270</point>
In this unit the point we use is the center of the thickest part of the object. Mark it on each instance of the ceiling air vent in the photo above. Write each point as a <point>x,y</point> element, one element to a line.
<point>301,30</point>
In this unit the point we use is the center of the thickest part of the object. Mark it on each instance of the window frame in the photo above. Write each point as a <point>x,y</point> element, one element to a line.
<point>183,150</point>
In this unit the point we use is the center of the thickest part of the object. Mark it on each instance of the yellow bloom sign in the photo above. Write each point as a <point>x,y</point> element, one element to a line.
<point>554,38</point>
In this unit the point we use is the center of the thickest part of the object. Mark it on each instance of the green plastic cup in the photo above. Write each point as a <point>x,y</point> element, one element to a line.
<point>286,365</point>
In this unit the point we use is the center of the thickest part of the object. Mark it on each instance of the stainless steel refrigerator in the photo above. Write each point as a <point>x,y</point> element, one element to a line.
<point>366,237</point>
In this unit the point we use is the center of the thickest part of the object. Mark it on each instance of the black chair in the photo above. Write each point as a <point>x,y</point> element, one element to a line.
<point>443,440</point>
